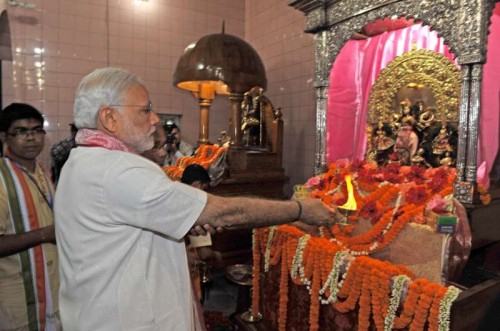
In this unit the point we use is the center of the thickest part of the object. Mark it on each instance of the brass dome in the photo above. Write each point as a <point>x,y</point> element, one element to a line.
<point>223,60</point>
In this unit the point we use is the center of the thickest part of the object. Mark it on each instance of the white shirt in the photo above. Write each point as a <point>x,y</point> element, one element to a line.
<point>119,226</point>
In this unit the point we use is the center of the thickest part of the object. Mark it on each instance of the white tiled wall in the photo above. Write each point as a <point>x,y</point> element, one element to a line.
<point>275,30</point>
<point>147,38</point>
<point>77,36</point>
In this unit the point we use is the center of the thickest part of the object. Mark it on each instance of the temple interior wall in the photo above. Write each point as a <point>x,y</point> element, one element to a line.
<point>147,38</point>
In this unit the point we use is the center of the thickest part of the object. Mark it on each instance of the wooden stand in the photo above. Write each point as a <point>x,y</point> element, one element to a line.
<point>251,173</point>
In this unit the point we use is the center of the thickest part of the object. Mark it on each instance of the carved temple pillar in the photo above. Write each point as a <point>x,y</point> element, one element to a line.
<point>235,127</point>
<point>321,104</point>
<point>473,125</point>
<point>468,132</point>
<point>462,125</point>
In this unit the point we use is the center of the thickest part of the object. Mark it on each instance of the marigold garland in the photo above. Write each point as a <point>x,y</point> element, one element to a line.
<point>206,155</point>
<point>283,299</point>
<point>318,263</point>
<point>256,271</point>
<point>335,269</point>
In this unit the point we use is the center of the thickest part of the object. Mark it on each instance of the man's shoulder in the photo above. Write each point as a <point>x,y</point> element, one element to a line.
<point>118,160</point>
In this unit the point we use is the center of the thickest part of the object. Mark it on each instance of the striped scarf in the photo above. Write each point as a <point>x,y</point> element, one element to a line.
<point>32,261</point>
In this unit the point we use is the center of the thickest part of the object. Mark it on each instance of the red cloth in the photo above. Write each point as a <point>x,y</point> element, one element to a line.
<point>95,138</point>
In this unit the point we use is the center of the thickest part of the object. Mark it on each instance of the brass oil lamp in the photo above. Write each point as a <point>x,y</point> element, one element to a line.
<point>350,206</point>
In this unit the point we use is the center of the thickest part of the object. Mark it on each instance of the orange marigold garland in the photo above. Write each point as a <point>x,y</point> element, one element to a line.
<point>314,308</point>
<point>256,273</point>
<point>206,155</point>
<point>283,299</point>
<point>319,263</point>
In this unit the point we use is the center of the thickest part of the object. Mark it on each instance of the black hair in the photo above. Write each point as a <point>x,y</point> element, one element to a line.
<point>193,173</point>
<point>73,128</point>
<point>18,111</point>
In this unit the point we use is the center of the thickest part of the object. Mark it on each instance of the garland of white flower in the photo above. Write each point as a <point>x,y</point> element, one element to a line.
<point>375,244</point>
<point>360,191</point>
<point>390,224</point>
<point>267,255</point>
<point>297,262</point>
<point>444,308</point>
<point>332,281</point>
<point>397,289</point>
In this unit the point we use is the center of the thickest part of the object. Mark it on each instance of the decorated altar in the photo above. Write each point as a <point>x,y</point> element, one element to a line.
<point>388,267</point>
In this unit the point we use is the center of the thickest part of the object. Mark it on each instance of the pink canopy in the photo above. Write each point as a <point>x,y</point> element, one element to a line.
<point>357,67</point>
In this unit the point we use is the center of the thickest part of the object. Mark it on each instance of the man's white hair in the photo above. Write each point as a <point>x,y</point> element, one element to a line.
<point>101,88</point>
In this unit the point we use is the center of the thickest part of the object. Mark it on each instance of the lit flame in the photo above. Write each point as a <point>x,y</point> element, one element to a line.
<point>351,202</point>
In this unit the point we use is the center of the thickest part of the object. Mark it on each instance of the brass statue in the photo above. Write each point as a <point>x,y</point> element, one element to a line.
<point>441,144</point>
<point>382,142</point>
<point>406,143</point>
<point>251,108</point>
<point>419,158</point>
<point>258,113</point>
<point>447,161</point>
<point>425,118</point>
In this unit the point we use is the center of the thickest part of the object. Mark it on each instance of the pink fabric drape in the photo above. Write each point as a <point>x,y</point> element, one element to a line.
<point>355,70</point>
<point>490,103</point>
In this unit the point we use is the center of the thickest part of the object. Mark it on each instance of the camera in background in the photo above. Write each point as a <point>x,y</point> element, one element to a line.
<point>169,127</point>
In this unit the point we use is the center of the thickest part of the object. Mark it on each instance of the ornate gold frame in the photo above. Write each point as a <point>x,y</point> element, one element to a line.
<point>422,66</point>
<point>462,24</point>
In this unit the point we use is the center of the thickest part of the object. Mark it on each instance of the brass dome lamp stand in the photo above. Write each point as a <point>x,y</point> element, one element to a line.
<point>219,64</point>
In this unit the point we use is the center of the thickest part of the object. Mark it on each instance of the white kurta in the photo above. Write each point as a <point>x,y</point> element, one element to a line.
<point>119,226</point>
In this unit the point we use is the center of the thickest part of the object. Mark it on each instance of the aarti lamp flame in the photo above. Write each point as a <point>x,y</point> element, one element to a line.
<point>351,202</point>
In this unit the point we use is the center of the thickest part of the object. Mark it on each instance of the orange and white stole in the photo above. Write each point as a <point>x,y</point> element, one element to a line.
<point>32,261</point>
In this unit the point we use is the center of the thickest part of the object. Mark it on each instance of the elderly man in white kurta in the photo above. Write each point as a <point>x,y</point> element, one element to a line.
<point>120,221</point>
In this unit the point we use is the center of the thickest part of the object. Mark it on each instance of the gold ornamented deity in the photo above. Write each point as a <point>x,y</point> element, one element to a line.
<point>382,142</point>
<point>419,158</point>
<point>425,118</point>
<point>406,143</point>
<point>441,144</point>
<point>446,161</point>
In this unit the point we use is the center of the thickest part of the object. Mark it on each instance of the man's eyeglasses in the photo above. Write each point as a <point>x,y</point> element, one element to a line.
<point>22,133</point>
<point>160,147</point>
<point>147,108</point>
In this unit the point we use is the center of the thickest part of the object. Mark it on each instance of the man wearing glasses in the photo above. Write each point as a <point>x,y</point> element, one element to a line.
<point>120,221</point>
<point>28,255</point>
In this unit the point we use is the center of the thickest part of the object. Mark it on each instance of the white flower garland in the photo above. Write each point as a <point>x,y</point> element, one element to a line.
<point>267,255</point>
<point>332,281</point>
<point>375,244</point>
<point>298,264</point>
<point>397,289</point>
<point>360,191</point>
<point>444,308</point>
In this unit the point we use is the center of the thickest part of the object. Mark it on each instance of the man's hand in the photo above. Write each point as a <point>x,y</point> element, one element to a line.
<point>199,230</point>
<point>48,234</point>
<point>315,212</point>
<point>15,243</point>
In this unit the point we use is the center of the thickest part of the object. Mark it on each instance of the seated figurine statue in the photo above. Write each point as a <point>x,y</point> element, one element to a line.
<point>251,109</point>
<point>441,144</point>
<point>446,161</point>
<point>406,144</point>
<point>419,158</point>
<point>382,142</point>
